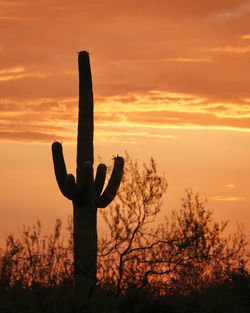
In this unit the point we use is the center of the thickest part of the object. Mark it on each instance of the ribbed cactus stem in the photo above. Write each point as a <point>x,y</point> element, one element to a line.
<point>86,192</point>
<point>85,115</point>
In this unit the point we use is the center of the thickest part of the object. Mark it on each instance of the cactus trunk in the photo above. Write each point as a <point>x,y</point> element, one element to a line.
<point>85,211</point>
<point>86,192</point>
<point>85,115</point>
<point>85,245</point>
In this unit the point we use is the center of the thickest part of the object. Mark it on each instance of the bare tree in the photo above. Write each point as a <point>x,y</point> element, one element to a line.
<point>187,249</point>
<point>139,201</point>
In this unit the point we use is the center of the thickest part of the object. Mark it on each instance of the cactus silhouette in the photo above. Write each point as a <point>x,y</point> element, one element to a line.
<point>85,192</point>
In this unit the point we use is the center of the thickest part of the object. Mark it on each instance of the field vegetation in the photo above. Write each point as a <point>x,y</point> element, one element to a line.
<point>185,263</point>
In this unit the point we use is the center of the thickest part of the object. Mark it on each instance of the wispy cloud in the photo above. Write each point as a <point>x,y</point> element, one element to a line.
<point>230,186</point>
<point>247,36</point>
<point>164,60</point>
<point>231,49</point>
<point>137,115</point>
<point>12,70</point>
<point>228,198</point>
<point>179,70</point>
<point>19,72</point>
<point>190,60</point>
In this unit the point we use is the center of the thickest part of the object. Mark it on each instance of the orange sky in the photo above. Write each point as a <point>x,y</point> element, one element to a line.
<point>171,80</point>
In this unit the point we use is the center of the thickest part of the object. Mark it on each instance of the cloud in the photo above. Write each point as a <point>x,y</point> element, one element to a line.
<point>19,72</point>
<point>189,120</point>
<point>247,36</point>
<point>31,136</point>
<point>230,186</point>
<point>130,134</point>
<point>13,70</point>
<point>162,109</point>
<point>194,60</point>
<point>181,68</point>
<point>228,198</point>
<point>231,49</point>
<point>138,111</point>
<point>150,61</point>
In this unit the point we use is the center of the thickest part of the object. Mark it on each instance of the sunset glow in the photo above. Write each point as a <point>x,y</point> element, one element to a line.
<point>171,80</point>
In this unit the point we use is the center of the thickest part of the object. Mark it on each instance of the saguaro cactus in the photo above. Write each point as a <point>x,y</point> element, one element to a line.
<point>86,192</point>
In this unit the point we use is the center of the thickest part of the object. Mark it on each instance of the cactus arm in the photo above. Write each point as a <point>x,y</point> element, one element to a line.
<point>113,184</point>
<point>100,179</point>
<point>66,182</point>
<point>71,187</point>
<point>85,117</point>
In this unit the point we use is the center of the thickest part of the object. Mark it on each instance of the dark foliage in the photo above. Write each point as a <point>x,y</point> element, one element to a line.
<point>225,297</point>
<point>184,264</point>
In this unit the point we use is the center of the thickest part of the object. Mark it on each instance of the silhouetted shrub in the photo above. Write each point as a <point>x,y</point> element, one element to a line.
<point>184,264</point>
<point>35,259</point>
<point>187,252</point>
